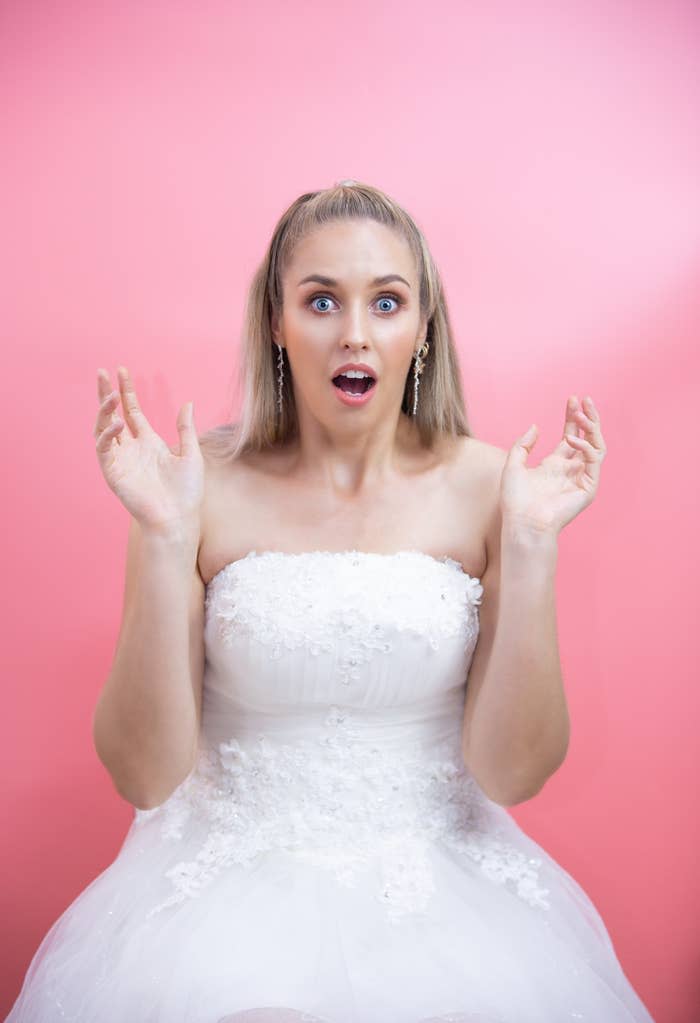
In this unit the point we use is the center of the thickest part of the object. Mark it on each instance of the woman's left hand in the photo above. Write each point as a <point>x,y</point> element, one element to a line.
<point>546,497</point>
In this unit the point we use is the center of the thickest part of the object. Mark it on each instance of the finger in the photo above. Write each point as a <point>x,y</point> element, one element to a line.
<point>589,421</point>
<point>570,423</point>
<point>130,403</point>
<point>189,441</point>
<point>105,438</point>
<point>523,446</point>
<point>594,416</point>
<point>588,458</point>
<point>109,401</point>
<point>591,456</point>
<point>590,408</point>
<point>105,413</point>
<point>564,449</point>
<point>575,462</point>
<point>104,384</point>
<point>527,440</point>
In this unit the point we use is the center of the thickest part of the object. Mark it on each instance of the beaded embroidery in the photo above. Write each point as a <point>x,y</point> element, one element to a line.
<point>339,804</point>
<point>357,618</point>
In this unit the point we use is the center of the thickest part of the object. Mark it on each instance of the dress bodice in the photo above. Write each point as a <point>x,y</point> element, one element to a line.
<point>288,636</point>
<point>332,710</point>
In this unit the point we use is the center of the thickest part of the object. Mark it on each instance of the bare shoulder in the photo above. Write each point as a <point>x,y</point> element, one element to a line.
<point>220,471</point>
<point>235,475</point>
<point>213,444</point>
<point>480,467</point>
<point>478,454</point>
<point>231,505</point>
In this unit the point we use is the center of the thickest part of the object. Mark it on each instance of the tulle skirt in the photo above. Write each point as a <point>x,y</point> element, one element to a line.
<point>284,940</point>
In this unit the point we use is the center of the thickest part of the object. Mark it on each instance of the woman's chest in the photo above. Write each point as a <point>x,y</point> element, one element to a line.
<point>429,512</point>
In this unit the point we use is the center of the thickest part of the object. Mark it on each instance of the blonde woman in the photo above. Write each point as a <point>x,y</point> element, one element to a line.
<point>337,669</point>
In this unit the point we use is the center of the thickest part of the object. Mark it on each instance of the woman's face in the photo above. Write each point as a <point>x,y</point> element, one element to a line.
<point>336,311</point>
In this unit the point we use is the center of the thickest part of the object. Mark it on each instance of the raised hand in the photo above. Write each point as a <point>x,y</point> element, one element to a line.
<point>546,497</point>
<point>161,487</point>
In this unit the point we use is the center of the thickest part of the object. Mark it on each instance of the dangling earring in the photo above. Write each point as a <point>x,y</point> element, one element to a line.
<point>280,378</point>
<point>417,370</point>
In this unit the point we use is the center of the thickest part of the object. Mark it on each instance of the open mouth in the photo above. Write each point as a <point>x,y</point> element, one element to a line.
<point>353,385</point>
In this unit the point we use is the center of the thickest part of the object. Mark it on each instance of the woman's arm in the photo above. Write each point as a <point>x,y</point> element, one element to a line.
<point>146,722</point>
<point>516,723</point>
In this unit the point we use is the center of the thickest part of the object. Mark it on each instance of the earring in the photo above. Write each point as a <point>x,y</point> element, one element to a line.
<point>280,379</point>
<point>417,370</point>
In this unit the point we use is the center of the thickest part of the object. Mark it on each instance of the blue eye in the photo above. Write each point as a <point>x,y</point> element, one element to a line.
<point>382,298</point>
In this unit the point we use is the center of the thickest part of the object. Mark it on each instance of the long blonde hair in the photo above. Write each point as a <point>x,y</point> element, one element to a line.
<point>441,407</point>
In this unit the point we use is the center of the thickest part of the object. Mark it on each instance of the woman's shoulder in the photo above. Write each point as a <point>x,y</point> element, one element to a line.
<point>480,469</point>
<point>218,444</point>
<point>232,474</point>
<point>479,461</point>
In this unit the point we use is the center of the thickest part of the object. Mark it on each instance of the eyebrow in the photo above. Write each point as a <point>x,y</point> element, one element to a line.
<point>330,282</point>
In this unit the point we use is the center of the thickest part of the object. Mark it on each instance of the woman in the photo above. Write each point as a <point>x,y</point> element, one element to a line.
<point>337,667</point>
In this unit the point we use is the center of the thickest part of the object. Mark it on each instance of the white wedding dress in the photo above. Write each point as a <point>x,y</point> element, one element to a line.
<point>330,859</point>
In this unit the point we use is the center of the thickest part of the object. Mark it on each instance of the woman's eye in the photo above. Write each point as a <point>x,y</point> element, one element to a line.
<point>389,298</point>
<point>382,298</point>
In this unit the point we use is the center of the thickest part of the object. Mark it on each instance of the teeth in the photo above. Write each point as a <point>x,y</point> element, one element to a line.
<point>355,374</point>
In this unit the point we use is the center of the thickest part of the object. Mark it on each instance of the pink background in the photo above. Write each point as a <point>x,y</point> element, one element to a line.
<point>550,152</point>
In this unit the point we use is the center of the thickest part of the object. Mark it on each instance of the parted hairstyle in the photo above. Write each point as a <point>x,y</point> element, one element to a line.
<point>441,407</point>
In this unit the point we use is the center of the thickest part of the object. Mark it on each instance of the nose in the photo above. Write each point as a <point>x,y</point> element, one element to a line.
<point>355,327</point>
<point>353,345</point>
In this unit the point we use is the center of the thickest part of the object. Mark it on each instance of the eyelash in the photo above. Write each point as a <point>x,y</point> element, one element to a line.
<point>397,298</point>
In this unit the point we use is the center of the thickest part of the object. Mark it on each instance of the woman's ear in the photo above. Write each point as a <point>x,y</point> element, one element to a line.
<point>422,332</point>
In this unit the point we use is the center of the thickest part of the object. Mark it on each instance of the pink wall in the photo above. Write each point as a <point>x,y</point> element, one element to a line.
<point>551,155</point>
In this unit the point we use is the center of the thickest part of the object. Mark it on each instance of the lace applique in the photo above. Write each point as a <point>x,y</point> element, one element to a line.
<point>349,613</point>
<point>343,805</point>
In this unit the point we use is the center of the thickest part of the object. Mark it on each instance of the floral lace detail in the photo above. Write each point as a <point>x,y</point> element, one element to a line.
<point>355,615</point>
<point>343,804</point>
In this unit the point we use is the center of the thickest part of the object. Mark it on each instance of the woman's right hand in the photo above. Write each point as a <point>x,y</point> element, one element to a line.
<point>161,487</point>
